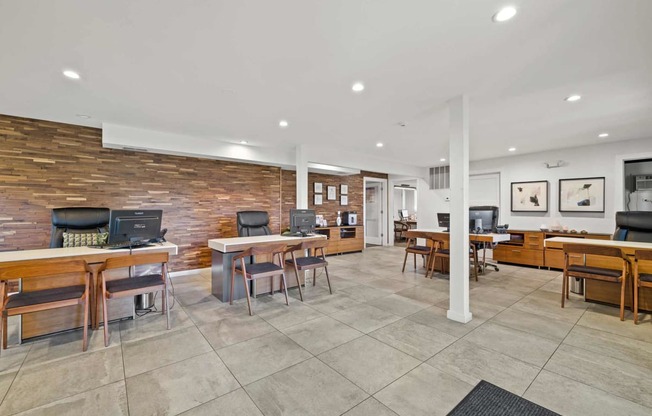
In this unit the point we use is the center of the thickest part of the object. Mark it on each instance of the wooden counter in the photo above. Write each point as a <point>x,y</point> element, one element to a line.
<point>606,292</point>
<point>46,322</point>
<point>343,239</point>
<point>223,251</point>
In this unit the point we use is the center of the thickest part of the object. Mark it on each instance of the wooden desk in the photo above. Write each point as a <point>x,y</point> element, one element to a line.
<point>47,322</point>
<point>605,292</point>
<point>444,236</point>
<point>224,249</point>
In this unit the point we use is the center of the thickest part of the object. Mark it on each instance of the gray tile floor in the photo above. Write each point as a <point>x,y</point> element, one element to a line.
<point>380,345</point>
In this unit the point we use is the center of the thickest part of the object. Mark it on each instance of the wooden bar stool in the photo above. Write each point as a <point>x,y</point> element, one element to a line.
<point>45,299</point>
<point>132,286</point>
<point>641,279</point>
<point>444,255</point>
<point>259,270</point>
<point>604,274</point>
<point>411,247</point>
<point>313,261</point>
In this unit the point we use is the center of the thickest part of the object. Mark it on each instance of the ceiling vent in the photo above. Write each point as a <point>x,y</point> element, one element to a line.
<point>440,177</point>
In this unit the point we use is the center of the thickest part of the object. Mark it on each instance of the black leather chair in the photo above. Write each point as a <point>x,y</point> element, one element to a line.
<point>251,223</point>
<point>633,226</point>
<point>78,220</point>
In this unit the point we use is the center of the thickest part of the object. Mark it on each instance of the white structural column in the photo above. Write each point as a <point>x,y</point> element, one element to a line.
<point>459,209</point>
<point>302,178</point>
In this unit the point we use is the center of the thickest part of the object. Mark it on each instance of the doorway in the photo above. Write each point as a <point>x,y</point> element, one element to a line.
<point>375,223</point>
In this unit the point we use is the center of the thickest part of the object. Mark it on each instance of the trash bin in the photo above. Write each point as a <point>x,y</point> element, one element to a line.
<point>577,285</point>
<point>144,301</point>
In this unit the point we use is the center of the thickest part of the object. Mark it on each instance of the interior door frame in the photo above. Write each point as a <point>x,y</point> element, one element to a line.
<point>382,217</point>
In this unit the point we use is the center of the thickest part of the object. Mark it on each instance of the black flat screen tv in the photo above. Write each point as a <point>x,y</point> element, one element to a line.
<point>134,226</point>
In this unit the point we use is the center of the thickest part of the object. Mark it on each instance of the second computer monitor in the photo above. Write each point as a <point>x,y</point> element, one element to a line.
<point>444,220</point>
<point>131,226</point>
<point>487,215</point>
<point>302,221</point>
<point>403,214</point>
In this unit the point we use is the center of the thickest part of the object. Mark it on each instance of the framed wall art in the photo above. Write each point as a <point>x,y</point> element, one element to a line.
<point>317,187</point>
<point>318,199</point>
<point>344,189</point>
<point>344,200</point>
<point>332,193</point>
<point>581,195</point>
<point>529,196</point>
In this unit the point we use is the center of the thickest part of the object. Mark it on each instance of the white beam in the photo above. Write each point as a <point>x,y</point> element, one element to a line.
<point>459,209</point>
<point>302,177</point>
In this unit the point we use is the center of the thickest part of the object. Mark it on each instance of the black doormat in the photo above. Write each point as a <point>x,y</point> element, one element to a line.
<point>488,400</point>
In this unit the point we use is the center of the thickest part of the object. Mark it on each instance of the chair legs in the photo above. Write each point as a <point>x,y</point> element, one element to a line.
<point>328,279</point>
<point>622,299</point>
<point>296,274</point>
<point>167,304</point>
<point>4,329</point>
<point>85,336</point>
<point>106,317</point>
<point>285,289</point>
<point>405,261</point>
<point>246,285</point>
<point>635,290</point>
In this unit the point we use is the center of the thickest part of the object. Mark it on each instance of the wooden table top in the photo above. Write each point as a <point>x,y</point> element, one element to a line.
<point>628,246</point>
<point>230,245</point>
<point>442,235</point>
<point>91,255</point>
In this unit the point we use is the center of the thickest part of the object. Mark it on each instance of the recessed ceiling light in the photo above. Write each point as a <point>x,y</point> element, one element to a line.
<point>243,142</point>
<point>573,98</point>
<point>71,74</point>
<point>283,123</point>
<point>379,144</point>
<point>603,135</point>
<point>504,14</point>
<point>442,159</point>
<point>357,87</point>
<point>83,116</point>
<point>512,149</point>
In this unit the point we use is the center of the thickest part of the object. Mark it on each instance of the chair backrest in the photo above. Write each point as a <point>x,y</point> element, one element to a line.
<point>136,259</point>
<point>78,220</point>
<point>42,268</point>
<point>633,226</point>
<point>252,223</point>
<point>643,255</point>
<point>593,250</point>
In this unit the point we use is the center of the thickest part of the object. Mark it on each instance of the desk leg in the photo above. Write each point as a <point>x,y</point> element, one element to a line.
<point>221,277</point>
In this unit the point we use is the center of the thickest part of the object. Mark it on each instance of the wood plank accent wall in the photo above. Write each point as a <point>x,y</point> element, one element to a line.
<point>45,165</point>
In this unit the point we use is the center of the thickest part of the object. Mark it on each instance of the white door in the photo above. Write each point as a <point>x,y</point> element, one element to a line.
<point>372,214</point>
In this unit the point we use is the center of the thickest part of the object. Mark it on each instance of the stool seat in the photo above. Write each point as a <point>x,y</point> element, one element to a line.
<point>45,296</point>
<point>303,262</point>
<point>260,268</point>
<point>615,274</point>
<point>131,283</point>
<point>645,277</point>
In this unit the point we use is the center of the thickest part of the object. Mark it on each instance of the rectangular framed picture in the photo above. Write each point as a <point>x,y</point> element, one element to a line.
<point>581,195</point>
<point>344,189</point>
<point>529,196</point>
<point>318,187</point>
<point>344,200</point>
<point>332,193</point>
<point>318,199</point>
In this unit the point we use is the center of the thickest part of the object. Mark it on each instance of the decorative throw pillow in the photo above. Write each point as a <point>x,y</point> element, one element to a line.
<point>84,239</point>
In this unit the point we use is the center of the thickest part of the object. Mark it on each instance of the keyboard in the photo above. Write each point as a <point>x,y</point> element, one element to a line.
<point>294,235</point>
<point>124,244</point>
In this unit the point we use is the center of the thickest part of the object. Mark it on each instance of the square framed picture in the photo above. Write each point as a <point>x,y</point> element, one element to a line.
<point>581,195</point>
<point>344,189</point>
<point>332,193</point>
<point>344,200</point>
<point>529,196</point>
<point>318,199</point>
<point>318,187</point>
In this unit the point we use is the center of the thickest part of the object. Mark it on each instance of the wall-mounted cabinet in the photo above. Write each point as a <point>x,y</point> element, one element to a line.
<point>345,239</point>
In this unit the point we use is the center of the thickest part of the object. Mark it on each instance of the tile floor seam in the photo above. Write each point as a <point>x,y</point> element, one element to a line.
<point>244,386</point>
<point>613,333</point>
<point>553,353</point>
<point>20,367</point>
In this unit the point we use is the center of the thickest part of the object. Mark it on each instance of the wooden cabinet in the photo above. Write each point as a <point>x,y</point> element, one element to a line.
<point>527,248</point>
<point>344,239</point>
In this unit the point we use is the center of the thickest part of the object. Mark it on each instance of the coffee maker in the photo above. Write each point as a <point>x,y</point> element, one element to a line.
<point>349,218</point>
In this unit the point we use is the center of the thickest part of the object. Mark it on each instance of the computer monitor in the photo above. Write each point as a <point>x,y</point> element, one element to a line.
<point>487,214</point>
<point>302,221</point>
<point>403,214</point>
<point>134,226</point>
<point>444,220</point>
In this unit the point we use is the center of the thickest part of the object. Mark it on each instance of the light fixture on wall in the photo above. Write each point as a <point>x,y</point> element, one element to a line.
<point>552,165</point>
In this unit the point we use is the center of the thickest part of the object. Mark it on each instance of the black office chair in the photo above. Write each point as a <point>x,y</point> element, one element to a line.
<point>78,220</point>
<point>251,223</point>
<point>633,226</point>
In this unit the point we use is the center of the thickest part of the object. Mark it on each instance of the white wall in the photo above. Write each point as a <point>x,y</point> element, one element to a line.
<point>586,161</point>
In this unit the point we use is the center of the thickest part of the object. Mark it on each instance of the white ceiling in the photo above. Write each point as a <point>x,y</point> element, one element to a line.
<point>230,70</point>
